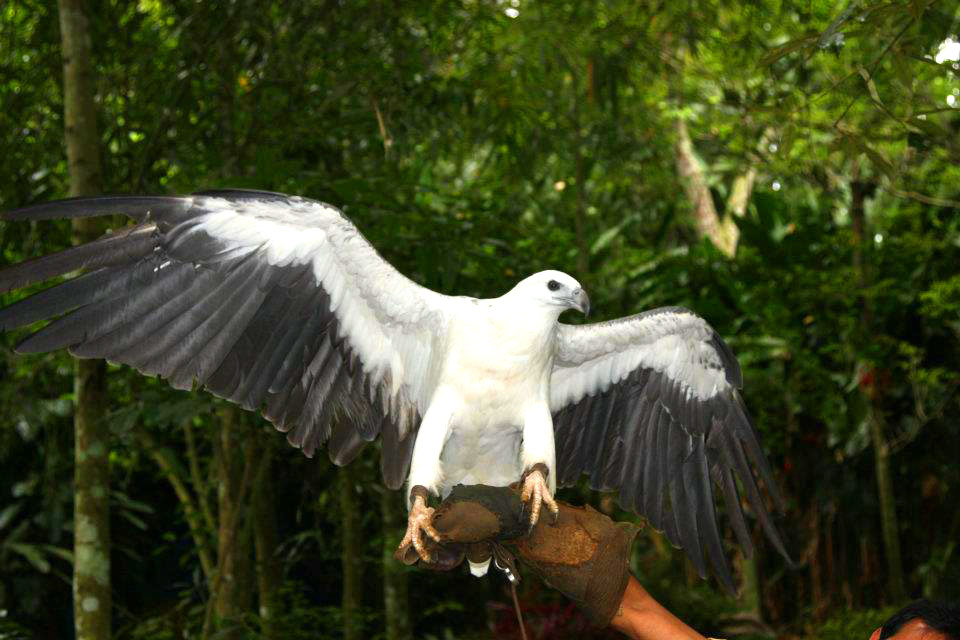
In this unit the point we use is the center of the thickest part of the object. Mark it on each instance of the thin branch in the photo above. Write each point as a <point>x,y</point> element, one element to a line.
<point>874,65</point>
<point>168,465</point>
<point>898,443</point>
<point>381,124</point>
<point>742,187</point>
<point>203,493</point>
<point>875,96</point>
<point>919,197</point>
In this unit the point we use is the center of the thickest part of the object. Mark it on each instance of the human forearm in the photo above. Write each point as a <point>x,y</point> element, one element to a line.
<point>642,618</point>
<point>582,553</point>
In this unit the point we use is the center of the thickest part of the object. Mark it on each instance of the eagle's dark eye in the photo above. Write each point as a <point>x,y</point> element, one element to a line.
<point>553,285</point>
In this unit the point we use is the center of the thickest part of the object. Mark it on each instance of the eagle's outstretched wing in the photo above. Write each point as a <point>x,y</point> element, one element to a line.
<point>274,302</point>
<point>649,405</point>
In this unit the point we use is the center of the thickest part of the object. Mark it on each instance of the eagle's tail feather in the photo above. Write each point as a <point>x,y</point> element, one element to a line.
<point>479,569</point>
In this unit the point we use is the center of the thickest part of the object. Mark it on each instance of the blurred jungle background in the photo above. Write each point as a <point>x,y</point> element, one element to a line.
<point>788,169</point>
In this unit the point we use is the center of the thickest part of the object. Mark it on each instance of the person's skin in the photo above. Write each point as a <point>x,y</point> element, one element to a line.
<point>916,629</point>
<point>642,618</point>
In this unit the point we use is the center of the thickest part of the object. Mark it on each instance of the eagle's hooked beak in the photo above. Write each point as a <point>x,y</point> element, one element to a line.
<point>581,301</point>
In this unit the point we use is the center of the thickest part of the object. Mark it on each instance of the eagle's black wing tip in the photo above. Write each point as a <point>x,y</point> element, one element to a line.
<point>134,206</point>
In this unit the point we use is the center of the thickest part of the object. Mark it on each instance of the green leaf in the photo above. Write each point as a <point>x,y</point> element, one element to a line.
<point>9,513</point>
<point>32,553</point>
<point>871,85</point>
<point>59,552</point>
<point>786,49</point>
<point>604,239</point>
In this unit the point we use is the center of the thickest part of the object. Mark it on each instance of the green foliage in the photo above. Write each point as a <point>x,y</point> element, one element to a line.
<point>10,630</point>
<point>852,624</point>
<point>473,147</point>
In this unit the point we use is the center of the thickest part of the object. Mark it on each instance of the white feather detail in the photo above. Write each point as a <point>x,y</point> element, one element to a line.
<point>479,569</point>
<point>390,322</point>
<point>591,358</point>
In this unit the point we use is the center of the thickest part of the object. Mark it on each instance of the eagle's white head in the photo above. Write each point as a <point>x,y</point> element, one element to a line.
<point>553,291</point>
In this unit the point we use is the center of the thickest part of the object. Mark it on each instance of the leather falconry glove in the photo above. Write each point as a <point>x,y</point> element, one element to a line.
<point>584,554</point>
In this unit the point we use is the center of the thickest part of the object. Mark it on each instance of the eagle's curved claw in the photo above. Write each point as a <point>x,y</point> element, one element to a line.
<point>536,492</point>
<point>418,520</point>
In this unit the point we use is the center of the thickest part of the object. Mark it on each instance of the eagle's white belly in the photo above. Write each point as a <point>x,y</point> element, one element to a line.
<point>495,371</point>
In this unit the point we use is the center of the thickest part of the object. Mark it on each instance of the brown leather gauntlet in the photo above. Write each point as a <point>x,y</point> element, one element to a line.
<point>585,555</point>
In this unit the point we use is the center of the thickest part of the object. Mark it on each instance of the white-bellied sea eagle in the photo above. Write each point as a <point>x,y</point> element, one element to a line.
<point>279,304</point>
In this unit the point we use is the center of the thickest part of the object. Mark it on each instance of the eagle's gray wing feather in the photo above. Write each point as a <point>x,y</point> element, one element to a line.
<point>274,302</point>
<point>649,405</point>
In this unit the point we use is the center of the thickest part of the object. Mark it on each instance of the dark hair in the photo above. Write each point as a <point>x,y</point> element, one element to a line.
<point>942,616</point>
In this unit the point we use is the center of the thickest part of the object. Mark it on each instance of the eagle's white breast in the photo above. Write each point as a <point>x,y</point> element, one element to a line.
<point>497,367</point>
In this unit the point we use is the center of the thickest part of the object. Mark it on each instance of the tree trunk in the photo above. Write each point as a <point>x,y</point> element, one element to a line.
<point>80,113</point>
<point>228,472</point>
<point>396,604</point>
<point>740,192</point>
<point>888,509</point>
<point>816,566</point>
<point>266,541</point>
<point>881,449</point>
<point>234,455</point>
<point>723,233</point>
<point>91,545</point>
<point>91,567</point>
<point>750,604</point>
<point>351,553</point>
